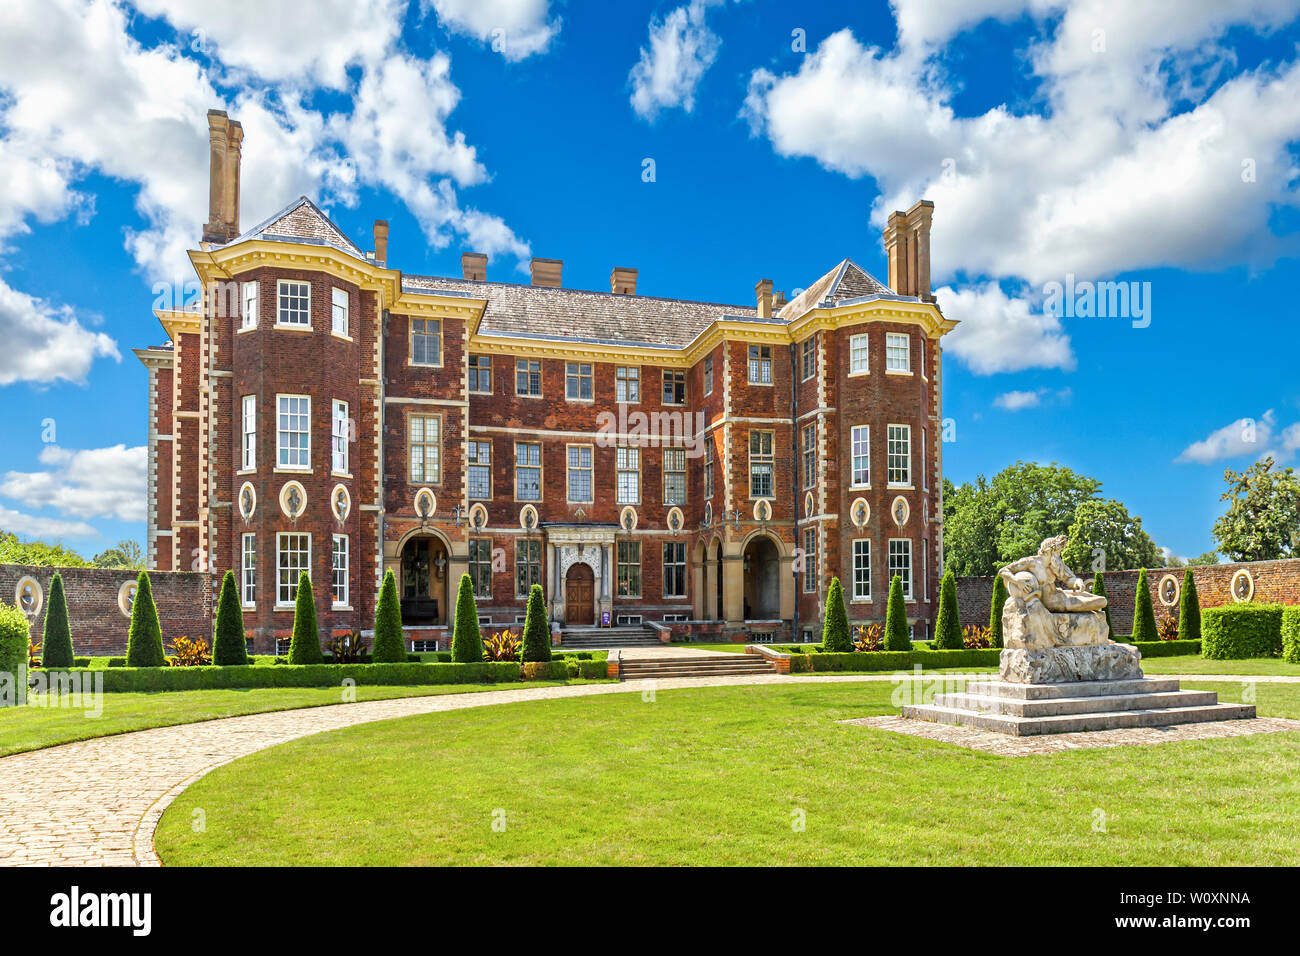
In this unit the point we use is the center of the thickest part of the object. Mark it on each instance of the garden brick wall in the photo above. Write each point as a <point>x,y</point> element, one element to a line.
<point>1276,582</point>
<point>99,627</point>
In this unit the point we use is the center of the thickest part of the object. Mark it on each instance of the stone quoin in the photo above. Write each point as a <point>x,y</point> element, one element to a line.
<point>322,410</point>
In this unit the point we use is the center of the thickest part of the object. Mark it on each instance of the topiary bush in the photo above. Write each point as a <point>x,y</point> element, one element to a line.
<point>15,636</point>
<point>947,632</point>
<point>229,649</point>
<point>995,611</point>
<point>897,637</point>
<point>466,640</point>
<point>304,646</point>
<point>1189,609</point>
<point>390,645</point>
<point>56,637</point>
<point>537,632</point>
<point>1144,612</point>
<point>1099,587</point>
<point>144,646</point>
<point>835,628</point>
<point>1291,634</point>
<point>1241,630</point>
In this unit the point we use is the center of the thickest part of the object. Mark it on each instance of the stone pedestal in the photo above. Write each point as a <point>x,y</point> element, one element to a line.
<point>1054,665</point>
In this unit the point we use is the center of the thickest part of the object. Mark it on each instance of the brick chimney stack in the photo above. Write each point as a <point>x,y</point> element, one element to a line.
<point>225,142</point>
<point>381,240</point>
<point>473,266</point>
<point>763,291</point>
<point>546,272</point>
<point>907,247</point>
<point>622,281</point>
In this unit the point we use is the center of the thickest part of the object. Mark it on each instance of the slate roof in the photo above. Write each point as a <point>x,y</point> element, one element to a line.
<point>575,314</point>
<point>600,317</point>
<point>846,281</point>
<point>303,221</point>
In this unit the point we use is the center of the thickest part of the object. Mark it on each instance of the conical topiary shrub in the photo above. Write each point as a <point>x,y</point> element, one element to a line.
<point>1144,612</point>
<point>897,637</point>
<point>537,633</point>
<point>1099,587</point>
<point>390,645</point>
<point>229,649</point>
<point>56,639</point>
<point>835,629</point>
<point>15,638</point>
<point>144,646</point>
<point>304,646</point>
<point>466,640</point>
<point>947,633</point>
<point>995,611</point>
<point>1189,610</point>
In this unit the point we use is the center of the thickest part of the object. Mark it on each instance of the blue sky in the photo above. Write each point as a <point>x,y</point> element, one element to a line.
<point>1095,138</point>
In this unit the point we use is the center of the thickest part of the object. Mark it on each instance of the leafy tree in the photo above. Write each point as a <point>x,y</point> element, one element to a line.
<point>56,639</point>
<point>1144,612</point>
<point>126,554</point>
<point>390,645</point>
<point>1189,610</point>
<point>229,648</point>
<point>144,646</point>
<point>897,636</point>
<point>304,645</point>
<point>537,633</point>
<point>947,634</point>
<point>38,553</point>
<point>1263,518</point>
<point>995,610</point>
<point>466,640</point>
<point>988,524</point>
<point>835,628</point>
<point>1099,587</point>
<point>1104,532</point>
<point>1209,557</point>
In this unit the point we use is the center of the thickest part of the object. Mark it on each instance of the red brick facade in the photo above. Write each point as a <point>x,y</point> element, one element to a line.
<point>753,393</point>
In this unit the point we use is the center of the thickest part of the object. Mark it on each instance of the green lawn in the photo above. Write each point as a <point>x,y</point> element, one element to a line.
<point>724,776</point>
<point>1196,664</point>
<point>34,727</point>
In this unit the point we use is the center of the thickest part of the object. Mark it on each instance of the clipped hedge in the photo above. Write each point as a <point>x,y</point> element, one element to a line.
<point>1166,648</point>
<point>893,660</point>
<point>134,679</point>
<point>15,634</point>
<point>1291,634</point>
<point>1239,631</point>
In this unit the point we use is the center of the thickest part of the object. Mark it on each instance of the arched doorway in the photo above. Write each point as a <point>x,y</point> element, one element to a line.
<point>580,596</point>
<point>762,580</point>
<point>424,581</point>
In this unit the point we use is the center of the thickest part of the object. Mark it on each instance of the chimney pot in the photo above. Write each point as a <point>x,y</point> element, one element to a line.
<point>381,240</point>
<point>546,272</point>
<point>918,219</point>
<point>622,281</point>
<point>764,293</point>
<point>217,228</point>
<point>473,266</point>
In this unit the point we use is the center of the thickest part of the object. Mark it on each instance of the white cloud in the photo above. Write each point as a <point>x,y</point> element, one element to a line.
<point>514,28</point>
<point>285,41</point>
<point>89,483</point>
<point>681,49</point>
<point>998,333</point>
<point>43,343</point>
<point>1104,177</point>
<point>1245,436</point>
<point>46,529</point>
<point>1015,401</point>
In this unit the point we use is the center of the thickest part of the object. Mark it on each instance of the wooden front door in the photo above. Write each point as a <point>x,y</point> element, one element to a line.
<point>580,595</point>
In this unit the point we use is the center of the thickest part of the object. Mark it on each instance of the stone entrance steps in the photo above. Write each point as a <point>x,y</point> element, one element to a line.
<point>588,638</point>
<point>1024,710</point>
<point>714,665</point>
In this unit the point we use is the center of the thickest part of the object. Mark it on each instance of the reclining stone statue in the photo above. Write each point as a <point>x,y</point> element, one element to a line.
<point>1053,629</point>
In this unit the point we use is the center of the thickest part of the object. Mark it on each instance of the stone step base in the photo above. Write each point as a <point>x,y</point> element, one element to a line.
<point>1092,688</point>
<point>1074,723</point>
<point>1057,706</point>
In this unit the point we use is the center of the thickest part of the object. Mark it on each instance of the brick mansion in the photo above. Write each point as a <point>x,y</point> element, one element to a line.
<point>644,459</point>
